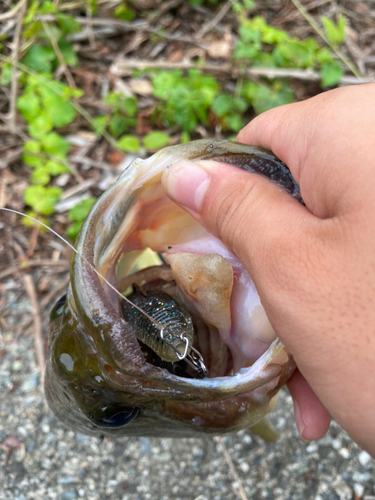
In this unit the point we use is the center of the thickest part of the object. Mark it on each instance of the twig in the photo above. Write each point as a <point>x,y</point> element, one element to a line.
<point>294,15</point>
<point>320,32</point>
<point>121,68</point>
<point>11,13</point>
<point>33,241</point>
<point>38,339</point>
<point>78,188</point>
<point>84,160</point>
<point>34,263</point>
<point>90,31</point>
<point>125,26</point>
<point>215,20</point>
<point>59,55</point>
<point>14,84</point>
<point>232,468</point>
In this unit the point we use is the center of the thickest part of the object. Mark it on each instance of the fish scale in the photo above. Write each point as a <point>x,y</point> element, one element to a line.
<point>165,311</point>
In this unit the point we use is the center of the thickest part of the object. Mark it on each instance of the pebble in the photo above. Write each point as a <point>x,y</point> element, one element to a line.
<point>30,384</point>
<point>344,452</point>
<point>364,458</point>
<point>311,448</point>
<point>359,489</point>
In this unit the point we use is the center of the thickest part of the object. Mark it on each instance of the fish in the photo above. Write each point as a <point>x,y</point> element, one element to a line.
<point>161,331</point>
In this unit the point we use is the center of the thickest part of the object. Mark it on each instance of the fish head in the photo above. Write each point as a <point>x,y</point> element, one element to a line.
<point>111,369</point>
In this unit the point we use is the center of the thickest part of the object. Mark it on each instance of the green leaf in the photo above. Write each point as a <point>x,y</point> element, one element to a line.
<point>40,176</point>
<point>80,211</point>
<point>40,126</point>
<point>185,137</point>
<point>68,52</point>
<point>263,98</point>
<point>39,58</point>
<point>6,74</point>
<point>42,199</point>
<point>234,122</point>
<point>30,159</point>
<point>130,143</point>
<point>297,53</point>
<point>249,34</point>
<point>55,144</point>
<point>118,124</point>
<point>73,230</point>
<point>155,140</point>
<point>331,73</point>
<point>47,7</point>
<point>60,111</point>
<point>120,103</point>
<point>29,106</point>
<point>56,168</point>
<point>222,104</point>
<point>324,56</point>
<point>68,24</point>
<point>335,32</point>
<point>99,124</point>
<point>125,13</point>
<point>51,89</point>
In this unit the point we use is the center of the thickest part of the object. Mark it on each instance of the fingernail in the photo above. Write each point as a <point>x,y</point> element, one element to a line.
<point>186,183</point>
<point>299,422</point>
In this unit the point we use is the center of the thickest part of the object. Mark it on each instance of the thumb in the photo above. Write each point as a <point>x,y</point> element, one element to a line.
<point>255,219</point>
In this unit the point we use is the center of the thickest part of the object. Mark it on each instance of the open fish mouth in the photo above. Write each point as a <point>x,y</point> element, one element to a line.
<point>185,346</point>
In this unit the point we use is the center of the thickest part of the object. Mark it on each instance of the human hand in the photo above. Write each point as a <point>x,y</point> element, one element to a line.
<point>313,266</point>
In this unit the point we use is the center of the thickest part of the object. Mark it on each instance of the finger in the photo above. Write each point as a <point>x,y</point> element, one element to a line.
<point>310,137</point>
<point>312,418</point>
<point>255,219</point>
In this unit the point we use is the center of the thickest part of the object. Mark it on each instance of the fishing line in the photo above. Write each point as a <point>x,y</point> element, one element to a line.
<point>157,325</point>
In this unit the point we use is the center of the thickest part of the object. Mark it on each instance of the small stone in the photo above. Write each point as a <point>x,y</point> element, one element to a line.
<point>311,448</point>
<point>344,452</point>
<point>30,384</point>
<point>17,365</point>
<point>68,495</point>
<point>245,467</point>
<point>359,489</point>
<point>336,444</point>
<point>364,458</point>
<point>361,477</point>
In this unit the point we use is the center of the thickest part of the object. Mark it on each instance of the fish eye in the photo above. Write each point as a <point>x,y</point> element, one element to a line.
<point>61,301</point>
<point>113,416</point>
<point>58,307</point>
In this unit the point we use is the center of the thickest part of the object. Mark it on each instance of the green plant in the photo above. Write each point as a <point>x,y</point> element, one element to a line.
<point>230,110</point>
<point>77,215</point>
<point>124,111</point>
<point>45,37</point>
<point>266,46</point>
<point>45,108</point>
<point>45,104</point>
<point>186,99</point>
<point>335,32</point>
<point>266,96</point>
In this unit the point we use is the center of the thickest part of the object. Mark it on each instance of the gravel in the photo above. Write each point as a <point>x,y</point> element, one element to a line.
<point>41,459</point>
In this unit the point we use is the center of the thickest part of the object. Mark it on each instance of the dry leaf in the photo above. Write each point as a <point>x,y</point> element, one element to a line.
<point>221,48</point>
<point>140,86</point>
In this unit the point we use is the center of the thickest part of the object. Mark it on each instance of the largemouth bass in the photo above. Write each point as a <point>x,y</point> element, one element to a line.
<point>186,347</point>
